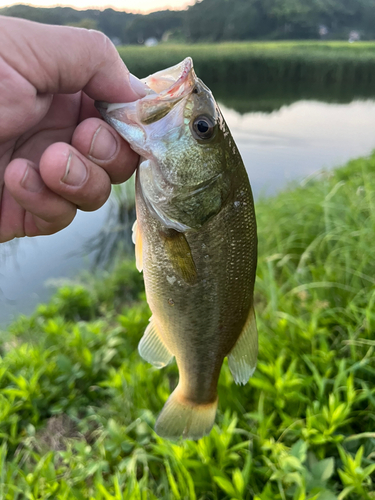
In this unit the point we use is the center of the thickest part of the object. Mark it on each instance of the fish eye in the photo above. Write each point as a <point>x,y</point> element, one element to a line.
<point>203,127</point>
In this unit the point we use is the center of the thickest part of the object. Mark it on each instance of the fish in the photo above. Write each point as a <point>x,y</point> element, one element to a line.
<point>195,240</point>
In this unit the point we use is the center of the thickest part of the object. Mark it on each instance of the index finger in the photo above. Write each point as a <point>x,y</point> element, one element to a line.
<point>62,59</point>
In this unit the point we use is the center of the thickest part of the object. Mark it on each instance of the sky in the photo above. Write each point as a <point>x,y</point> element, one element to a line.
<point>143,6</point>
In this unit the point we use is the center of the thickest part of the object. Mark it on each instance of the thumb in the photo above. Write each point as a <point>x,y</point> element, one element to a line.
<point>62,59</point>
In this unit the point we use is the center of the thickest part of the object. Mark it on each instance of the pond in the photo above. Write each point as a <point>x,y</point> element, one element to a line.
<point>280,141</point>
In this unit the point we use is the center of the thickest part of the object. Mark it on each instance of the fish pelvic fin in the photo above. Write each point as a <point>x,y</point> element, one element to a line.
<point>184,418</point>
<point>242,359</point>
<point>152,348</point>
<point>137,240</point>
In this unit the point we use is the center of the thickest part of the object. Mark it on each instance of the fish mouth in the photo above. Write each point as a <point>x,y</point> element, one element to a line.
<point>174,81</point>
<point>139,120</point>
<point>167,87</point>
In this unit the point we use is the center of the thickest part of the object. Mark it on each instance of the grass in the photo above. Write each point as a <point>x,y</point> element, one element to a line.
<point>251,62</point>
<point>266,75</point>
<point>78,405</point>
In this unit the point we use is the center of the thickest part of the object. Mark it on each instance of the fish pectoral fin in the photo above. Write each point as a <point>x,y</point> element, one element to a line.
<point>137,240</point>
<point>242,359</point>
<point>152,348</point>
<point>180,256</point>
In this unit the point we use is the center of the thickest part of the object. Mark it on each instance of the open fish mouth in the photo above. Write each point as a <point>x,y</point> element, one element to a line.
<point>174,81</point>
<point>137,120</point>
<point>170,84</point>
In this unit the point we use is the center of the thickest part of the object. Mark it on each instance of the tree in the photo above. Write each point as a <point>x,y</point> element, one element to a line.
<point>89,24</point>
<point>215,20</point>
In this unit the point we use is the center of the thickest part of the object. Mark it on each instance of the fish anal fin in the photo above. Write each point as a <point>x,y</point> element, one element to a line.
<point>242,359</point>
<point>137,240</point>
<point>182,418</point>
<point>180,256</point>
<point>152,348</point>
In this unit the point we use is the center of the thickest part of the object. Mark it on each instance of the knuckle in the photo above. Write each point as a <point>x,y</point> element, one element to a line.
<point>105,47</point>
<point>101,40</point>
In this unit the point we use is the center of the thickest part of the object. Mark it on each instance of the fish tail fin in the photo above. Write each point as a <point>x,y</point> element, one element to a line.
<point>183,418</point>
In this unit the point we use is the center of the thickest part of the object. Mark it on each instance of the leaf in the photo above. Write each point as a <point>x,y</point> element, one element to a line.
<point>368,470</point>
<point>172,481</point>
<point>238,481</point>
<point>345,478</point>
<point>323,470</point>
<point>262,384</point>
<point>339,413</point>
<point>299,450</point>
<point>225,485</point>
<point>291,463</point>
<point>345,492</point>
<point>104,492</point>
<point>327,495</point>
<point>87,356</point>
<point>343,455</point>
<point>246,471</point>
<point>358,456</point>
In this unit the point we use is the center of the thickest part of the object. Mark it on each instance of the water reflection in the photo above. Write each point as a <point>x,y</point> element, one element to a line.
<point>29,263</point>
<point>300,139</point>
<point>268,96</point>
<point>291,143</point>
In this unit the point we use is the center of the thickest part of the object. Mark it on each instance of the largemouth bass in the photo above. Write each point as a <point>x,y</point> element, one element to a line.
<point>195,239</point>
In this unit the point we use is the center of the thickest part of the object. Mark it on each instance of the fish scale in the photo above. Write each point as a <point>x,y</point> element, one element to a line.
<point>218,303</point>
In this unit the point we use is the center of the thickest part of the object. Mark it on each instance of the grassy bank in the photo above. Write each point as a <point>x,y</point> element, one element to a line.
<point>77,404</point>
<point>250,62</point>
<point>263,76</point>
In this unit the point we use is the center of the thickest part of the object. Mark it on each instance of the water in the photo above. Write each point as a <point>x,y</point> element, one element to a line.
<point>30,265</point>
<point>299,140</point>
<point>289,143</point>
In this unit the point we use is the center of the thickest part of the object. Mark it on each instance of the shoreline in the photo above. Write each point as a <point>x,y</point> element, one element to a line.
<point>318,63</point>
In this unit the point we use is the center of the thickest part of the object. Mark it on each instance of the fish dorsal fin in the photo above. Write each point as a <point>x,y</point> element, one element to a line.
<point>179,254</point>
<point>137,240</point>
<point>152,348</point>
<point>242,359</point>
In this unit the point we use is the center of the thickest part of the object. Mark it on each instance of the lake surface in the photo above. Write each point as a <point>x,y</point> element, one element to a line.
<point>290,143</point>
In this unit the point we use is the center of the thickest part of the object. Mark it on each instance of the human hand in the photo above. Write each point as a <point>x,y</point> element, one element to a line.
<point>56,154</point>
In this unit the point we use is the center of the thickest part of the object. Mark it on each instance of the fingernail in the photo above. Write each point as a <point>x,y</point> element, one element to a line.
<point>75,172</point>
<point>104,144</point>
<point>139,88</point>
<point>31,180</point>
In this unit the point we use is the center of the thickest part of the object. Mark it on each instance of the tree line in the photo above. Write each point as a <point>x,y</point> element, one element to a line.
<point>220,20</point>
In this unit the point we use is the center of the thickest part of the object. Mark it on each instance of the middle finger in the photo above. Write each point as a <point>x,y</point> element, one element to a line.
<point>101,144</point>
<point>74,177</point>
